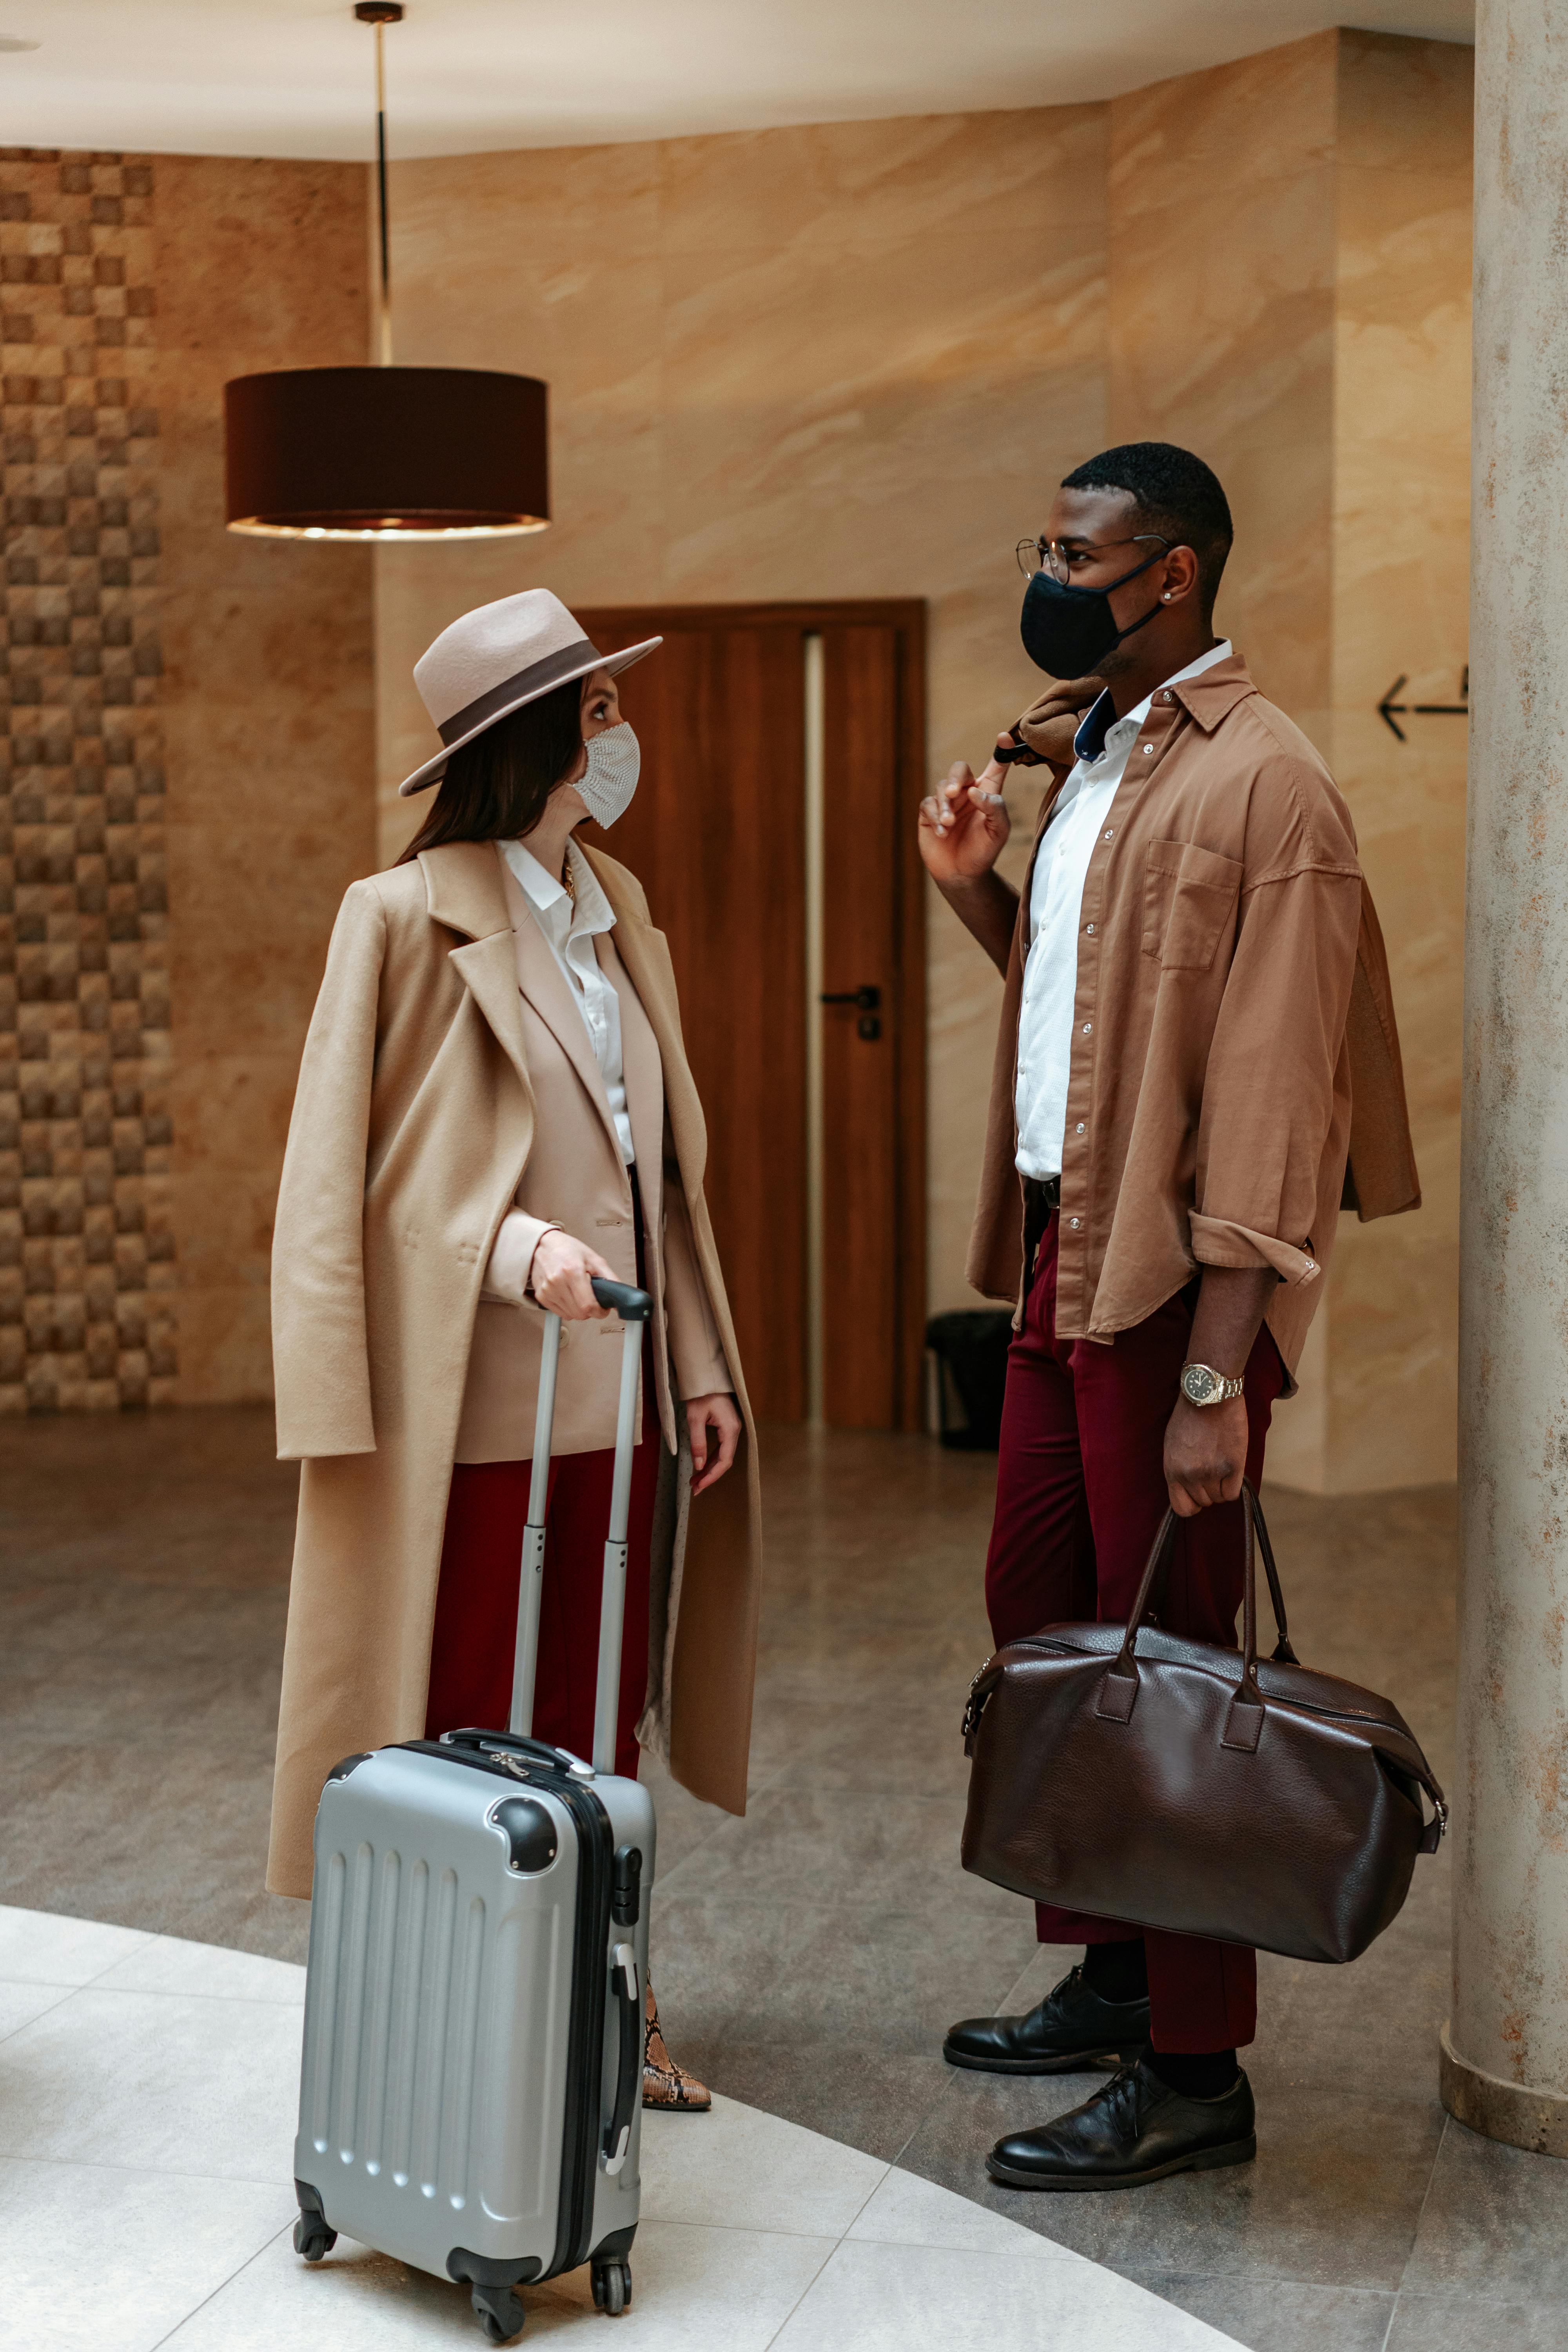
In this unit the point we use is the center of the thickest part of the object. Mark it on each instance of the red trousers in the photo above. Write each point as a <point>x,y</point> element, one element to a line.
<point>473,1647</point>
<point>1080,1493</point>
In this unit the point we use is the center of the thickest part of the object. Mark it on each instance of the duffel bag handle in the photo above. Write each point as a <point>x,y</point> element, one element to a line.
<point>1244,1722</point>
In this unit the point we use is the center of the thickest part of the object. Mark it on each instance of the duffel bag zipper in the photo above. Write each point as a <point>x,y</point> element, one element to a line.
<point>1307,1706</point>
<point>974,1705</point>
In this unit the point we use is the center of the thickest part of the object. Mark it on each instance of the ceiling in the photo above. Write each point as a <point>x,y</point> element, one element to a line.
<point>294,77</point>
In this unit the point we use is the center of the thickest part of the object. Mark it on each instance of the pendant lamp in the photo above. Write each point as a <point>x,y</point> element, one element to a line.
<point>385,453</point>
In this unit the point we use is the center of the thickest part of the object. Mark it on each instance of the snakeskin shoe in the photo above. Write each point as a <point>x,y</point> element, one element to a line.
<point>664,2083</point>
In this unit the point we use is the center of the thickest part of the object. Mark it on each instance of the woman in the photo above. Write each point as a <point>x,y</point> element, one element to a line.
<point>494,1106</point>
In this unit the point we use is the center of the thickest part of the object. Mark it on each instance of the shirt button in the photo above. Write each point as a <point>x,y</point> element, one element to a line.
<point>1109,831</point>
<point>1167,696</point>
<point>1089,929</point>
<point>1147,747</point>
<point>1087,1027</point>
<point>1073,1222</point>
<point>1080,1127</point>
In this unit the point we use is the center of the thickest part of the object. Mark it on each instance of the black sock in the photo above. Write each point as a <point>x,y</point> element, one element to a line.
<point>1117,1971</point>
<point>1196,2075</point>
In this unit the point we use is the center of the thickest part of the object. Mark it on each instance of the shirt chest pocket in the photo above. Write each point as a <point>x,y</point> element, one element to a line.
<point>1189,903</point>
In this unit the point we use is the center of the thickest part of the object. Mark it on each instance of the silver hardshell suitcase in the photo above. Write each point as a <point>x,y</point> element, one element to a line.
<point>471,2090</point>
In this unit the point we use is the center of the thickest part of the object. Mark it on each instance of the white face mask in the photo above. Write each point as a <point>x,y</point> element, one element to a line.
<point>615,760</point>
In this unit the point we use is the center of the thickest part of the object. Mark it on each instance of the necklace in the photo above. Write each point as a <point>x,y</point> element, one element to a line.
<point>567,884</point>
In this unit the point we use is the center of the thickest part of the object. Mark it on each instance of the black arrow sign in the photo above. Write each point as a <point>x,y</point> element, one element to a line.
<point>1391,712</point>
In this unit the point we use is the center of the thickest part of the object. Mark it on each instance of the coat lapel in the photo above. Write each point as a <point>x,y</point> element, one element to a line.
<point>463,891</point>
<point>640,1068</point>
<point>536,972</point>
<point>646,955</point>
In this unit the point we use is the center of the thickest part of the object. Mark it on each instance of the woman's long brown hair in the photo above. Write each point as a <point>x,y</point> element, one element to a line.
<point>495,788</point>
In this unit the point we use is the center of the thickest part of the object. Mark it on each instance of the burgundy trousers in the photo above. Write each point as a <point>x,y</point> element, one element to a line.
<point>1080,1493</point>
<point>473,1647</point>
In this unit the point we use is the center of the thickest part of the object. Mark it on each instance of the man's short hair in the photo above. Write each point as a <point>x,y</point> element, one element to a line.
<point>1176,495</point>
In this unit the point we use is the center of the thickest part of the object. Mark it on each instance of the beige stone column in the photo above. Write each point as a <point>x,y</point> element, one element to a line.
<point>1505,2050</point>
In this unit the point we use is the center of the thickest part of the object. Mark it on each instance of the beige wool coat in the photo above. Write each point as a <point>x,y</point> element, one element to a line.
<point>414,1126</point>
<point>577,1177</point>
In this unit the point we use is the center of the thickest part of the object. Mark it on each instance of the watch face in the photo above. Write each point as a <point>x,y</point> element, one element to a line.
<point>1199,1385</point>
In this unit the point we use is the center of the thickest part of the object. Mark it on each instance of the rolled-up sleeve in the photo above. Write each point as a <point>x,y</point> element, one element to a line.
<point>1270,1088</point>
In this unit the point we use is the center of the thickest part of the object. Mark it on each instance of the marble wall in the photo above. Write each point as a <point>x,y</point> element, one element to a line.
<point>841,360</point>
<point>267,711</point>
<point>1222,190</point>
<point>1504,2051</point>
<point>854,360</point>
<point>846,361</point>
<point>1401,596</point>
<point>1304,323</point>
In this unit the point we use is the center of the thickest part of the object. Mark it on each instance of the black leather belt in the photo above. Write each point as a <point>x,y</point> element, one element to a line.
<point>1040,1197</point>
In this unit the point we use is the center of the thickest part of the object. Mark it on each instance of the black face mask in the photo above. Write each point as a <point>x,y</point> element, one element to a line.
<point>1068,631</point>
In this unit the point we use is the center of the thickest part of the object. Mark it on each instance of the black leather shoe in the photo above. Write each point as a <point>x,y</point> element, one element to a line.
<point>1071,2028</point>
<point>1134,2131</point>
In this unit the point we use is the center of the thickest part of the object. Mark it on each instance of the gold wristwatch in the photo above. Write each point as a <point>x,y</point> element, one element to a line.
<point>1201,1385</point>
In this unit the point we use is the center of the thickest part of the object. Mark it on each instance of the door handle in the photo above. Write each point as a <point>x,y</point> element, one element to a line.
<point>865,1000</point>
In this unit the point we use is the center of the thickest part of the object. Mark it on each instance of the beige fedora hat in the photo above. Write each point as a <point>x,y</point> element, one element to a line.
<point>495,659</point>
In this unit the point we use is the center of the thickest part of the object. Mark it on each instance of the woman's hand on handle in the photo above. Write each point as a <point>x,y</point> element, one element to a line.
<point>719,1415</point>
<point>561,1277</point>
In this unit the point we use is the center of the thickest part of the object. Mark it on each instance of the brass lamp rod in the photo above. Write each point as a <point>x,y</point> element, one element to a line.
<point>382,12</point>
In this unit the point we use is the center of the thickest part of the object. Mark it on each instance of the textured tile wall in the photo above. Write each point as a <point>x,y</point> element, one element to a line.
<point>87,1247</point>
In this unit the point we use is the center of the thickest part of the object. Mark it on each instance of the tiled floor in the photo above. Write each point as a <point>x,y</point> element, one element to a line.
<point>809,1957</point>
<point>147,2104</point>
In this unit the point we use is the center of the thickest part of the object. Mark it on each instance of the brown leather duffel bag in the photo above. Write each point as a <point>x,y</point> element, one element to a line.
<point>1125,1772</point>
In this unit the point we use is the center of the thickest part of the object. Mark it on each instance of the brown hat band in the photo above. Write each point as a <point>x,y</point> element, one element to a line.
<point>569,661</point>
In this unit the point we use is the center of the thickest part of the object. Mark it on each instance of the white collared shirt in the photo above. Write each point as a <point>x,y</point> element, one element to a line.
<point>570,931</point>
<point>1050,973</point>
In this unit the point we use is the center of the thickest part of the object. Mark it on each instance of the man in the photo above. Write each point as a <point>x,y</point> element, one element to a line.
<point>1194,975</point>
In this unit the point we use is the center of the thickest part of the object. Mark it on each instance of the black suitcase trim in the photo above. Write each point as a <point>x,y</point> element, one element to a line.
<point>585,2036</point>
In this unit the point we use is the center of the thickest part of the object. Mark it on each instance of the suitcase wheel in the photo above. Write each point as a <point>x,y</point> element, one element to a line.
<point>500,2313</point>
<point>312,2238</point>
<point>612,2284</point>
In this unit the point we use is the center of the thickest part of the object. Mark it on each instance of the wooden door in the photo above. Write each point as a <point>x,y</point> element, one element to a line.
<point>717,836</point>
<point>860,1029</point>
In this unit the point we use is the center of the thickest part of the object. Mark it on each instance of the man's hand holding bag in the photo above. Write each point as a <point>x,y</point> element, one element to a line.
<point>1129,1772</point>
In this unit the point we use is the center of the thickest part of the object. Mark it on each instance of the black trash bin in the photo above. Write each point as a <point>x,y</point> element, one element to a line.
<point>971,1351</point>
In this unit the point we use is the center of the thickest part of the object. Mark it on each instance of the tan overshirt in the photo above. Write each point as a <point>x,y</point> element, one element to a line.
<point>1232,1006</point>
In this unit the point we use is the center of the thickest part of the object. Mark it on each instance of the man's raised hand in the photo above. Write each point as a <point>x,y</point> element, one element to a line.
<point>963,825</point>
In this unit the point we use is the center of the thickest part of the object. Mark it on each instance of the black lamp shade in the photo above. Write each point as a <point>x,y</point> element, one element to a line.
<point>385,453</point>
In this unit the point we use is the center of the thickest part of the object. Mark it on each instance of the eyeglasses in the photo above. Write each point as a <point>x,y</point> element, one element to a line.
<point>1047,554</point>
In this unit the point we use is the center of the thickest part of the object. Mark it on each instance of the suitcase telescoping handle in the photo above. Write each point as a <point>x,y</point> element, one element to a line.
<point>633,1308</point>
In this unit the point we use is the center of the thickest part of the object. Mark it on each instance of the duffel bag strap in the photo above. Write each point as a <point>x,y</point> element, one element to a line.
<point>1284,1656</point>
<point>1118,1692</point>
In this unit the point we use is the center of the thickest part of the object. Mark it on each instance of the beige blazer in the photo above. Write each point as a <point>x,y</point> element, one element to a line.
<point>414,1126</point>
<point>577,1177</point>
